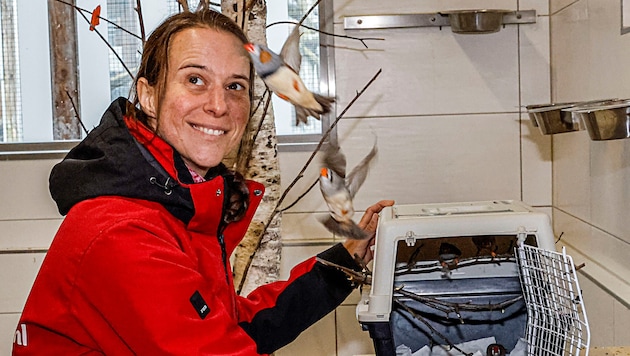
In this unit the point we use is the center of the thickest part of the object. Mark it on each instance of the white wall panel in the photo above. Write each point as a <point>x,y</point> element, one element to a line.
<point>571,173</point>
<point>27,234</point>
<point>8,323</point>
<point>352,340</point>
<point>428,71</point>
<point>436,158</point>
<point>17,273</point>
<point>24,194</point>
<point>590,178</point>
<point>610,175</point>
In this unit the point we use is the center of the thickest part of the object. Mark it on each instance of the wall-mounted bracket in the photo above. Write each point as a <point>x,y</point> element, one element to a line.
<point>423,20</point>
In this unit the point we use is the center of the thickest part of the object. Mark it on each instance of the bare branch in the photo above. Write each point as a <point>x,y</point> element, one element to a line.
<point>76,112</point>
<point>108,45</point>
<point>433,330</point>
<point>362,40</point>
<point>80,9</point>
<point>308,12</point>
<point>184,5</point>
<point>141,22</point>
<point>301,196</point>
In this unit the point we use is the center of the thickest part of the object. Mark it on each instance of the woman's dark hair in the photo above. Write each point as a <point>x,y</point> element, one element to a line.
<point>154,67</point>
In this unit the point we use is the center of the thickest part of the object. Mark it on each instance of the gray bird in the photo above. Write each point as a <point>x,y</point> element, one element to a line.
<point>339,190</point>
<point>280,74</point>
<point>448,256</point>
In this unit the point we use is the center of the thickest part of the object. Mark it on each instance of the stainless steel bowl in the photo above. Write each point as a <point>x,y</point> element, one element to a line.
<point>476,21</point>
<point>606,122</point>
<point>552,119</point>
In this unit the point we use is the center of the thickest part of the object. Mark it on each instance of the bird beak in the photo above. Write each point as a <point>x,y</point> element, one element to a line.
<point>249,47</point>
<point>324,172</point>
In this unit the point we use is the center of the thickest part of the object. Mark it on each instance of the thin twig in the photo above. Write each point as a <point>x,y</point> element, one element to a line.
<point>108,45</point>
<point>449,307</point>
<point>301,196</point>
<point>245,9</point>
<point>80,9</point>
<point>308,12</point>
<point>262,98</point>
<point>184,5</point>
<point>362,40</point>
<point>433,330</point>
<point>262,118</point>
<point>141,22</point>
<point>76,112</point>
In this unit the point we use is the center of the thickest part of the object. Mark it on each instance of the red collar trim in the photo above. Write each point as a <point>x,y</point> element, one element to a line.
<point>160,149</point>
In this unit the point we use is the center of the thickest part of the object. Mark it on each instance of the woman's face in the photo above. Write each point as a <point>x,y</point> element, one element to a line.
<point>206,104</point>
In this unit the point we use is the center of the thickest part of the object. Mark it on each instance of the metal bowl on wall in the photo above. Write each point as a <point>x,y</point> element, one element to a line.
<point>552,119</point>
<point>476,21</point>
<point>606,121</point>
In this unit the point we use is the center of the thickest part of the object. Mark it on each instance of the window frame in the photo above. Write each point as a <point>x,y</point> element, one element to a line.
<point>286,143</point>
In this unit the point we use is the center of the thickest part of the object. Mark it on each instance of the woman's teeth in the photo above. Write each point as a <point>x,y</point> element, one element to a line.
<point>209,131</point>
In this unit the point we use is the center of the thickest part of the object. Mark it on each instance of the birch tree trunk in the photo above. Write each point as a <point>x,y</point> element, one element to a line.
<point>64,63</point>
<point>257,258</point>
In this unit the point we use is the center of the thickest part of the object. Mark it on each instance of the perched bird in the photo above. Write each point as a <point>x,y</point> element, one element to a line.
<point>339,190</point>
<point>487,244</point>
<point>449,257</point>
<point>280,74</point>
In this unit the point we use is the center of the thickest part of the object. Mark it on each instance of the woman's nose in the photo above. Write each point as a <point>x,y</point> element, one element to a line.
<point>215,102</point>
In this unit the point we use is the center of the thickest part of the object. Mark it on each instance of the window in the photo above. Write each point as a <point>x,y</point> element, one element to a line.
<point>10,108</point>
<point>26,104</point>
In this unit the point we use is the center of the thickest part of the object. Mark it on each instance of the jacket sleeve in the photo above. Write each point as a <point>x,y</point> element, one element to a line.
<point>276,313</point>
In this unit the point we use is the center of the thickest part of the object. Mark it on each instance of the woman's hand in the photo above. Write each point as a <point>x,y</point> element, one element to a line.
<point>368,223</point>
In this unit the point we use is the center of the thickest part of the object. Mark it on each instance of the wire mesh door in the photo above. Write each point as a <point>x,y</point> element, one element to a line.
<point>557,323</point>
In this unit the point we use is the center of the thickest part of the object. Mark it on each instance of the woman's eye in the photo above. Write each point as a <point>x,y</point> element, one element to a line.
<point>195,80</point>
<point>236,86</point>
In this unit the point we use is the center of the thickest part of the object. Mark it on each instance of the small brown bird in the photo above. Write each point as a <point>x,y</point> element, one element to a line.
<point>449,257</point>
<point>487,244</point>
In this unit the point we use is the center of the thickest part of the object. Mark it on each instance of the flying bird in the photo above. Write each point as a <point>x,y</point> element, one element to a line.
<point>339,190</point>
<point>280,73</point>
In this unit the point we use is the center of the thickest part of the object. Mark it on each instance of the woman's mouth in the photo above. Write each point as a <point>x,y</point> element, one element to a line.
<point>208,131</point>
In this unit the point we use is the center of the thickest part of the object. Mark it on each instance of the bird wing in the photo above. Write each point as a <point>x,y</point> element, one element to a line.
<point>335,160</point>
<point>290,51</point>
<point>359,173</point>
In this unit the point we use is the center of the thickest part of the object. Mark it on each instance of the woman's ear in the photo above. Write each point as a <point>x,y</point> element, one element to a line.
<point>146,97</point>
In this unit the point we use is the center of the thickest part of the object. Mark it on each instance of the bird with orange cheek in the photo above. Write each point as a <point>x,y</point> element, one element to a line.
<point>279,72</point>
<point>339,190</point>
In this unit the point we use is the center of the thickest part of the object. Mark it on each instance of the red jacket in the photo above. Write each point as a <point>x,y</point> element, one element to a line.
<point>137,266</point>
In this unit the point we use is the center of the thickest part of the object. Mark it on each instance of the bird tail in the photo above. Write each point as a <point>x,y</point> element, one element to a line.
<point>347,229</point>
<point>302,113</point>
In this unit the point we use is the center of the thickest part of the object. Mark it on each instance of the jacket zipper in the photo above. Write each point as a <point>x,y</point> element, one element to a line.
<point>221,239</point>
<point>220,236</point>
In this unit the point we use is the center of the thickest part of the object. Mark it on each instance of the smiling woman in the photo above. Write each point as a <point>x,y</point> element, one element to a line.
<point>104,74</point>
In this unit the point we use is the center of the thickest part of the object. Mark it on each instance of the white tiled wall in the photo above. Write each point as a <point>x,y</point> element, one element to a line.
<point>28,221</point>
<point>591,198</point>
